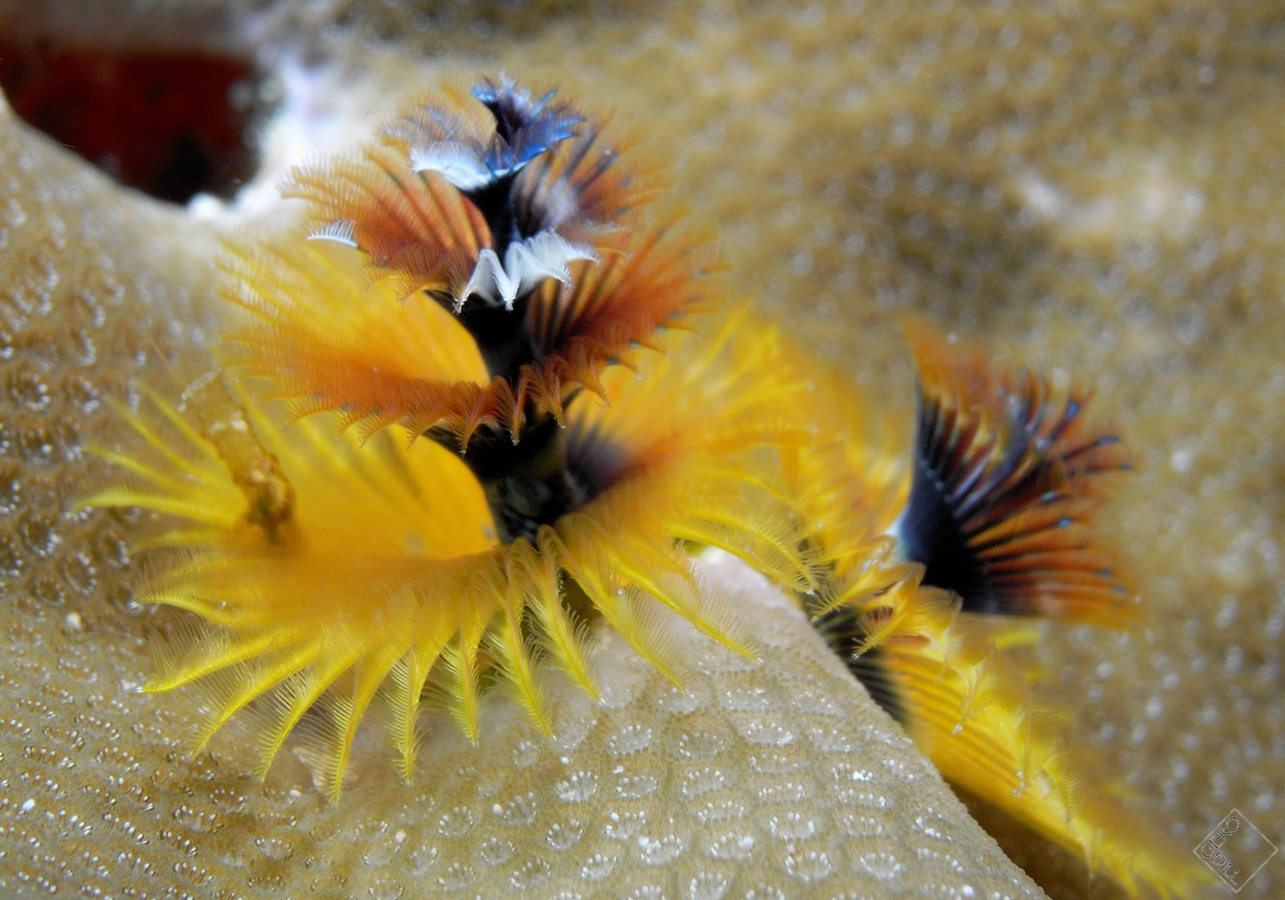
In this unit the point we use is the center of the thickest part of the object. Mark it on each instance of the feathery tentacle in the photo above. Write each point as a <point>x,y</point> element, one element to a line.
<point>1006,486</point>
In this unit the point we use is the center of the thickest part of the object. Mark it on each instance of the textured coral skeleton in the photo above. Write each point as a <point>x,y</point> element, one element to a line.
<point>1004,240</point>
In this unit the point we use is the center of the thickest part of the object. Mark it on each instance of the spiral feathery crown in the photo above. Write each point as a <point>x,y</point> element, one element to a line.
<point>333,578</point>
<point>513,214</point>
<point>1020,470</point>
<point>1007,482</point>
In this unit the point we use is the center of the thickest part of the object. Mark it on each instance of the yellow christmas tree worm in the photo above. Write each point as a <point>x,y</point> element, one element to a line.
<point>384,579</point>
<point>474,280</point>
<point>512,504</point>
<point>987,509</point>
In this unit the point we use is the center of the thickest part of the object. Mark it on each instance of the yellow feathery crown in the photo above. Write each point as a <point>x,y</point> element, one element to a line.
<point>333,578</point>
<point>910,636</point>
<point>381,577</point>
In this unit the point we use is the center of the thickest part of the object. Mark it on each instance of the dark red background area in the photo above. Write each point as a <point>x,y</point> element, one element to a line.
<point>167,123</point>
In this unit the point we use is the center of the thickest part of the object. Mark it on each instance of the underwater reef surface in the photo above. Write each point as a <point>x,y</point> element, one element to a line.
<point>762,776</point>
<point>1094,189</point>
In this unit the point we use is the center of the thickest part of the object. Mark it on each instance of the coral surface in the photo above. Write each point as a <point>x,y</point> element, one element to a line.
<point>1095,187</point>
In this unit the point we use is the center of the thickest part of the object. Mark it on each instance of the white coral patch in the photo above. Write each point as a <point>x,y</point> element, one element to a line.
<point>321,111</point>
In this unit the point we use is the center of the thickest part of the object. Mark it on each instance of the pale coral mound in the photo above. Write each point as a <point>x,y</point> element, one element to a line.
<point>1097,184</point>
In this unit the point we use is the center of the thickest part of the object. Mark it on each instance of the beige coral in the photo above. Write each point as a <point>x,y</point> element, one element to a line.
<point>1097,187</point>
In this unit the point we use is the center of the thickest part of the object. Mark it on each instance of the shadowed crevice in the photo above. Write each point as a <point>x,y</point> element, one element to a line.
<point>171,123</point>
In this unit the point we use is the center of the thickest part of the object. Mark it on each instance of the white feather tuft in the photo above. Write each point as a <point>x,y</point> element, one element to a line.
<point>340,231</point>
<point>526,264</point>
<point>458,163</point>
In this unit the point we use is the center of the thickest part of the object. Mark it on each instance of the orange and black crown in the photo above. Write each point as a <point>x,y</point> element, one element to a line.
<point>515,215</point>
<point>1006,486</point>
